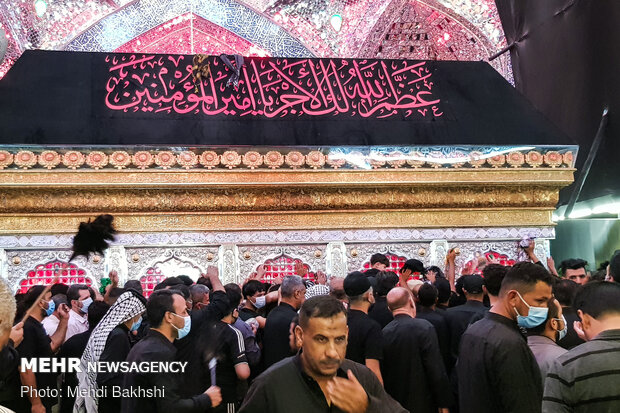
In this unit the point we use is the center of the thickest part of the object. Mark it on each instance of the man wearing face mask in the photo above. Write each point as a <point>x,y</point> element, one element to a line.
<point>496,370</point>
<point>587,378</point>
<point>167,315</point>
<point>364,345</point>
<point>37,343</point>
<point>543,339</point>
<point>79,299</point>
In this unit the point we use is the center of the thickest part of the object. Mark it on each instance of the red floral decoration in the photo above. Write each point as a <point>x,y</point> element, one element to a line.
<point>534,159</point>
<point>49,159</point>
<point>120,159</point>
<point>150,280</point>
<point>252,159</point>
<point>25,159</point>
<point>6,158</point>
<point>553,159</point>
<point>209,159</point>
<point>516,159</point>
<point>475,159</point>
<point>295,159</point>
<point>497,161</point>
<point>274,159</point>
<point>567,158</point>
<point>165,159</point>
<point>315,159</point>
<point>335,160</point>
<point>73,159</point>
<point>97,160</point>
<point>415,159</point>
<point>187,159</point>
<point>231,159</point>
<point>142,159</point>
<point>396,159</point>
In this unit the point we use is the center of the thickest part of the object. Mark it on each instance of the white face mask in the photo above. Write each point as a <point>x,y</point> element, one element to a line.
<point>260,302</point>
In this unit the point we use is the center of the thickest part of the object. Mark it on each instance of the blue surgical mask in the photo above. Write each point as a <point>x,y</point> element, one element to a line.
<point>186,327</point>
<point>562,333</point>
<point>260,302</point>
<point>535,316</point>
<point>85,304</point>
<point>51,306</point>
<point>136,325</point>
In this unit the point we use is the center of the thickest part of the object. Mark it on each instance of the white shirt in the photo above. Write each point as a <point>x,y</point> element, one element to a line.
<point>50,324</point>
<point>77,324</point>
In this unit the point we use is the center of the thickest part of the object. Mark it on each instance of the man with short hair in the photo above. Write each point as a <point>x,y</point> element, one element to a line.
<point>199,294</point>
<point>50,323</point>
<point>574,269</point>
<point>275,341</point>
<point>462,316</point>
<point>379,262</point>
<point>493,275</point>
<point>564,291</point>
<point>380,312</point>
<point>225,343</point>
<point>319,378</point>
<point>364,344</point>
<point>79,299</point>
<point>496,370</point>
<point>412,366</point>
<point>587,378</point>
<point>38,344</point>
<point>426,310</point>
<point>167,315</point>
<point>543,339</point>
<point>254,294</point>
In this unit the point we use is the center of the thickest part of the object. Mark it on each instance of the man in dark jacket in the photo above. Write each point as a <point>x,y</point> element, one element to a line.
<point>412,366</point>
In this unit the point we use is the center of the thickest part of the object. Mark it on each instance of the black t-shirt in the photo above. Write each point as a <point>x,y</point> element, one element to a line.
<point>37,344</point>
<point>229,351</point>
<point>276,335</point>
<point>380,312</point>
<point>364,337</point>
<point>74,347</point>
<point>116,349</point>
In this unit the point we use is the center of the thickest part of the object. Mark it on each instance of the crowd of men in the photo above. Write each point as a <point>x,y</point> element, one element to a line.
<point>494,339</point>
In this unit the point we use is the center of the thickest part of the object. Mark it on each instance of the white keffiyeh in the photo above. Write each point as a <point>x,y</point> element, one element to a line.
<point>126,307</point>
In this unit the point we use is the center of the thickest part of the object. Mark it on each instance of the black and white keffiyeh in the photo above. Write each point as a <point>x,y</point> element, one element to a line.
<point>128,305</point>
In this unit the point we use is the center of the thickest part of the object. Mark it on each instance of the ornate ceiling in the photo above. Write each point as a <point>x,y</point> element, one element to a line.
<point>402,29</point>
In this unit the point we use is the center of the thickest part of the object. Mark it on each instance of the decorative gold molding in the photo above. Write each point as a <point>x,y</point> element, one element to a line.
<point>39,223</point>
<point>55,201</point>
<point>260,178</point>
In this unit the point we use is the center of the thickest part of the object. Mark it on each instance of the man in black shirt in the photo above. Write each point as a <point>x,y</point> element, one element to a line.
<point>218,305</point>
<point>496,370</point>
<point>166,311</point>
<point>412,366</point>
<point>379,311</point>
<point>565,291</point>
<point>427,296</point>
<point>224,343</point>
<point>276,333</point>
<point>319,379</point>
<point>461,316</point>
<point>364,343</point>
<point>37,344</point>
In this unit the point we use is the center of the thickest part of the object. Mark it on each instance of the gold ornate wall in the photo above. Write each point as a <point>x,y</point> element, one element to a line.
<point>45,190</point>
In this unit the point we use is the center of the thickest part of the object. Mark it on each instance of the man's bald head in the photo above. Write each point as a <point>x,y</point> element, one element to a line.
<point>397,298</point>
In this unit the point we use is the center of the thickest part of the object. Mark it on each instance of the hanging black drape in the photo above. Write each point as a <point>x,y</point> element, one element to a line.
<point>566,62</point>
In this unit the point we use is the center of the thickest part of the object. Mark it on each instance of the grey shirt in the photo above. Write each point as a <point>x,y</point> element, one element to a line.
<point>545,352</point>
<point>586,378</point>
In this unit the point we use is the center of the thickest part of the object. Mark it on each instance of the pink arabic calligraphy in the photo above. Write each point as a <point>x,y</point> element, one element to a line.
<point>273,88</point>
